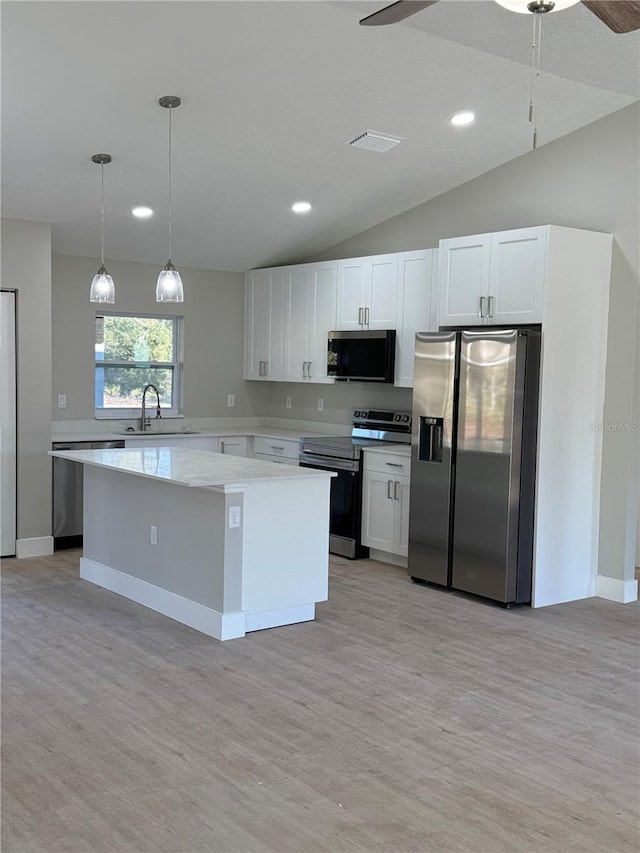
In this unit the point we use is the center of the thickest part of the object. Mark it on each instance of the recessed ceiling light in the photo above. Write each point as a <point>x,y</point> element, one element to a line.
<point>462,118</point>
<point>301,207</point>
<point>142,212</point>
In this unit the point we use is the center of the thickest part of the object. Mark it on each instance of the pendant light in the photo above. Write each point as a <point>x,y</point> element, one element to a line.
<point>102,287</point>
<point>169,287</point>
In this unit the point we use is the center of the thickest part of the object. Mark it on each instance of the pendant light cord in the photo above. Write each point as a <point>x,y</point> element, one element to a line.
<point>170,195</point>
<point>102,213</point>
<point>536,57</point>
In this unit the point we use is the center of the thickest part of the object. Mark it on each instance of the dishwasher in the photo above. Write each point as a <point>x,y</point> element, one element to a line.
<point>67,492</point>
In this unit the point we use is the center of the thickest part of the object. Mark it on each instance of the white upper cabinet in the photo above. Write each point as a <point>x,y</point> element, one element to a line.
<point>492,279</point>
<point>309,315</point>
<point>367,290</point>
<point>516,275</point>
<point>264,324</point>
<point>417,307</point>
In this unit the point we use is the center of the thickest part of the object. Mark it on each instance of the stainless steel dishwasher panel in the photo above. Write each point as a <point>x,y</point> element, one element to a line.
<point>67,491</point>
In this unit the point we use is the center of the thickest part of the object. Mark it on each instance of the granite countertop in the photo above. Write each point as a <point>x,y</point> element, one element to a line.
<point>218,432</point>
<point>189,467</point>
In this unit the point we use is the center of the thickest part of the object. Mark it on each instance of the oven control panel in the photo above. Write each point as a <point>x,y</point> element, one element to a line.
<point>380,417</point>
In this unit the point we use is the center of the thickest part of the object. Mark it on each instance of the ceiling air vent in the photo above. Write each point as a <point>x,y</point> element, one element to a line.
<point>374,141</point>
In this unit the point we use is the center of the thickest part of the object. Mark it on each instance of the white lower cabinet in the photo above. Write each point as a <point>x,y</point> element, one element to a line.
<point>385,502</point>
<point>234,445</point>
<point>276,450</point>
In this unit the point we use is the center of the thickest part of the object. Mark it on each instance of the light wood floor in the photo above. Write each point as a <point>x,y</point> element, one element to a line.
<point>404,718</point>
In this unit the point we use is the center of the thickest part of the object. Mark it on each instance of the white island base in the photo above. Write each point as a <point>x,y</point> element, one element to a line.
<point>220,579</point>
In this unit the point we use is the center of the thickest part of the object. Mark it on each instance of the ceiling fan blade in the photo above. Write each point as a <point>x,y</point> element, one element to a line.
<point>397,12</point>
<point>621,16</point>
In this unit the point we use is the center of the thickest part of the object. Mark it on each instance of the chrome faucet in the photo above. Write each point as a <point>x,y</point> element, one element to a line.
<point>144,420</point>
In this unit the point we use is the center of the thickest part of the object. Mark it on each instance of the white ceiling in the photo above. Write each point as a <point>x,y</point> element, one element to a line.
<point>271,93</point>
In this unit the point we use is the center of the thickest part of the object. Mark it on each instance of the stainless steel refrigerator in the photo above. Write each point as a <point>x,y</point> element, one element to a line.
<point>475,410</point>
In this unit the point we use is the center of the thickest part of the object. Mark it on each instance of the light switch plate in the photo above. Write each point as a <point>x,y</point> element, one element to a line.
<point>231,400</point>
<point>62,401</point>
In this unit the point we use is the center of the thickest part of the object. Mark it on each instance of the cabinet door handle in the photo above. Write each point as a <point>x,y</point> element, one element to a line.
<point>266,368</point>
<point>394,464</point>
<point>390,489</point>
<point>260,369</point>
<point>490,307</point>
<point>366,316</point>
<point>309,363</point>
<point>360,314</point>
<point>304,369</point>
<point>222,447</point>
<point>276,447</point>
<point>396,490</point>
<point>481,311</point>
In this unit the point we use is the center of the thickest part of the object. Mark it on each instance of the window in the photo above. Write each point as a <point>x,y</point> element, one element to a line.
<point>132,351</point>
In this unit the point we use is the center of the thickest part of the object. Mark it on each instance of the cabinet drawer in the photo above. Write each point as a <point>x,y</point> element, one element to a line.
<point>387,463</point>
<point>282,460</point>
<point>276,447</point>
<point>234,445</point>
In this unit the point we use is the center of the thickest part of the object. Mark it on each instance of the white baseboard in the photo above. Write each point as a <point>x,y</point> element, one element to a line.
<point>386,557</point>
<point>624,592</point>
<point>41,546</point>
<point>221,626</point>
<point>282,616</point>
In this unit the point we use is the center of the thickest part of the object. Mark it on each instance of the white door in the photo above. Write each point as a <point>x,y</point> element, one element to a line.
<point>382,290</point>
<point>414,309</point>
<point>517,276</point>
<point>352,295</point>
<point>296,324</point>
<point>322,304</point>
<point>464,280</point>
<point>257,324</point>
<point>7,424</point>
<point>377,511</point>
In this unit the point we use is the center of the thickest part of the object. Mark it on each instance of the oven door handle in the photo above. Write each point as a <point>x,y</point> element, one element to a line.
<point>328,464</point>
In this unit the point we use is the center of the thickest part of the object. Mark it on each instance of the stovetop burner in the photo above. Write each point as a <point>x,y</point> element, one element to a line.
<point>370,428</point>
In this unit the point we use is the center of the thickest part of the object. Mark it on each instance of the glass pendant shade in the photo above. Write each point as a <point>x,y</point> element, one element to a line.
<point>169,287</point>
<point>102,287</point>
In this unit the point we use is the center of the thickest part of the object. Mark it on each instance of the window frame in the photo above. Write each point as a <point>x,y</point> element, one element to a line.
<point>175,411</point>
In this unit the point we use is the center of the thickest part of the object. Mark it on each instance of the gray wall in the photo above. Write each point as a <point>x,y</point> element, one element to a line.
<point>26,268</point>
<point>213,313</point>
<point>589,179</point>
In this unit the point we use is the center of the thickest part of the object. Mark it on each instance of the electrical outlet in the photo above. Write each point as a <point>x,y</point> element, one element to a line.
<point>287,402</point>
<point>153,535</point>
<point>320,404</point>
<point>234,516</point>
<point>62,401</point>
<point>231,400</point>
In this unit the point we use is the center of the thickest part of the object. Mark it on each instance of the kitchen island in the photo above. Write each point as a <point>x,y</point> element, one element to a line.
<point>224,544</point>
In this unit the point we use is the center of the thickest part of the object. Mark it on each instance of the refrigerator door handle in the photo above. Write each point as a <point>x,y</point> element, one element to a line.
<point>481,311</point>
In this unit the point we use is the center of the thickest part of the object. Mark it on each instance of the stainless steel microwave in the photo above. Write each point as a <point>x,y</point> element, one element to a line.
<point>362,356</point>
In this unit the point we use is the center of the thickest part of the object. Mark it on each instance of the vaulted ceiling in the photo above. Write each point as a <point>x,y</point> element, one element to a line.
<point>271,94</point>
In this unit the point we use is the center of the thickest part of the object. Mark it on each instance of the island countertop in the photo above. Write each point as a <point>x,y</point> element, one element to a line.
<point>184,467</point>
